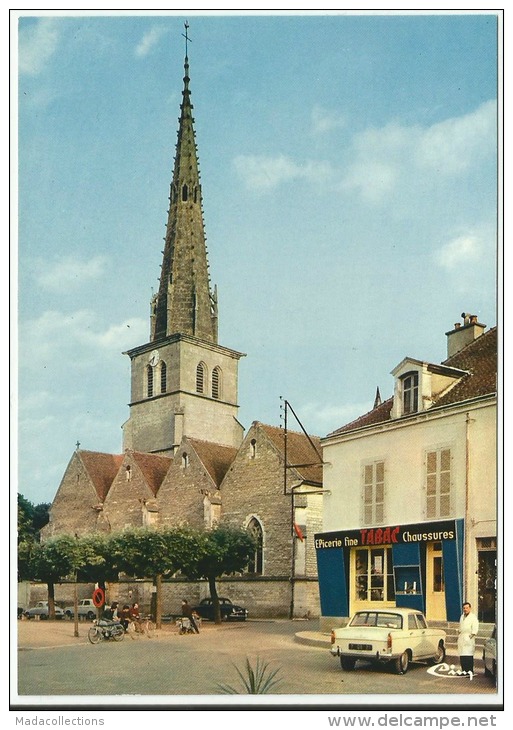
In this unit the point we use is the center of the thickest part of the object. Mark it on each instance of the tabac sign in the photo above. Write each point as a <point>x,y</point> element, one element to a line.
<point>389,535</point>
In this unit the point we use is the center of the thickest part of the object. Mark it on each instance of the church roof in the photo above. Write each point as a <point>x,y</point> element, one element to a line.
<point>216,458</point>
<point>479,361</point>
<point>102,468</point>
<point>304,453</point>
<point>154,468</point>
<point>184,303</point>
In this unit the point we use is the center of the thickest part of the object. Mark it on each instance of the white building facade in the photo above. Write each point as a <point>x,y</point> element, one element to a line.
<point>410,517</point>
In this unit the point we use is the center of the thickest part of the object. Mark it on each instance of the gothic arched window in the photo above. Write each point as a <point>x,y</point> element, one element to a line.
<point>256,563</point>
<point>216,382</point>
<point>163,376</point>
<point>200,377</point>
<point>149,381</point>
<point>185,193</point>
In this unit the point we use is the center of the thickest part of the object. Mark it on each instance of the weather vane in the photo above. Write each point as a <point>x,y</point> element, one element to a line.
<point>185,35</point>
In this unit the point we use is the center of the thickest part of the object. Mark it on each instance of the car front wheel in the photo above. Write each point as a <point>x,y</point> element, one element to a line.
<point>347,663</point>
<point>402,663</point>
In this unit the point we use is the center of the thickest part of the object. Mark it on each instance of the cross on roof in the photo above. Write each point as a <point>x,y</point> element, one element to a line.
<point>186,36</point>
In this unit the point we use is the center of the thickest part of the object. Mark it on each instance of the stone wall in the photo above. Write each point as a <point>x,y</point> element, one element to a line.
<point>263,597</point>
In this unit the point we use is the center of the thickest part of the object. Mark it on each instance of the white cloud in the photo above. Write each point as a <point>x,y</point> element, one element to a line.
<point>393,156</point>
<point>374,179</point>
<point>72,271</point>
<point>75,337</point>
<point>266,173</point>
<point>324,121</point>
<point>37,44</point>
<point>451,146</point>
<point>459,251</point>
<point>149,40</point>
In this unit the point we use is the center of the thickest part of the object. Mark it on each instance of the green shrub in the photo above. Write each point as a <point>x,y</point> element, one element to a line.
<point>255,681</point>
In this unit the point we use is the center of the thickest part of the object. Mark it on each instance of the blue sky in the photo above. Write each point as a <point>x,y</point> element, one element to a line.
<point>348,166</point>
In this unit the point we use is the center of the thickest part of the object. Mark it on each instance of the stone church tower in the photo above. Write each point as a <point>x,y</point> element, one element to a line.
<point>183,383</point>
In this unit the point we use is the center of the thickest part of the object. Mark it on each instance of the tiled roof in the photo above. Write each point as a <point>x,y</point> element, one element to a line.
<point>216,458</point>
<point>377,415</point>
<point>299,451</point>
<point>153,467</point>
<point>479,359</point>
<point>102,468</point>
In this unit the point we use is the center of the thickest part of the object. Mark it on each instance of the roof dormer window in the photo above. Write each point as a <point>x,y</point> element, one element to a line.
<point>410,392</point>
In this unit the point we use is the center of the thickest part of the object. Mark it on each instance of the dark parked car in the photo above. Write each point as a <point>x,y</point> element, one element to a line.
<point>229,611</point>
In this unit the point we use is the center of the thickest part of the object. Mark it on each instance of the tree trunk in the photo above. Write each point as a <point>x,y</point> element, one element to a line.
<point>215,599</point>
<point>158,601</point>
<point>51,600</point>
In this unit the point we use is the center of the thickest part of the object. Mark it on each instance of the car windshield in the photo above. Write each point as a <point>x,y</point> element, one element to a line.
<point>377,618</point>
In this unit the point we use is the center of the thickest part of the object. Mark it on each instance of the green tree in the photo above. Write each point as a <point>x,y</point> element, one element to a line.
<point>54,560</point>
<point>146,553</point>
<point>30,520</point>
<point>224,550</point>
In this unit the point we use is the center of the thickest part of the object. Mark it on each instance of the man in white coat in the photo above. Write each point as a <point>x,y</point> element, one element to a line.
<point>469,626</point>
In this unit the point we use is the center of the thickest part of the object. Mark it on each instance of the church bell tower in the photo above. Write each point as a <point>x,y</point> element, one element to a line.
<point>183,381</point>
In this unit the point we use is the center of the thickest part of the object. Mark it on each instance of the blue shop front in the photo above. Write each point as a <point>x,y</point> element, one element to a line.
<point>411,566</point>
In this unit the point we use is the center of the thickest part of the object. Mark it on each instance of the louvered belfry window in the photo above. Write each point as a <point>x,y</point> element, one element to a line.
<point>438,483</point>
<point>149,380</point>
<point>163,376</point>
<point>374,493</point>
<point>200,378</point>
<point>216,383</point>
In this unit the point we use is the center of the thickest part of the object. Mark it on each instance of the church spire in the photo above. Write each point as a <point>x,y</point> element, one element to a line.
<point>185,303</point>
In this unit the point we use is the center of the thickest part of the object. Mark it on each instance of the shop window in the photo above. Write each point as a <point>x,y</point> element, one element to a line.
<point>374,575</point>
<point>438,483</point>
<point>410,392</point>
<point>200,377</point>
<point>373,493</point>
<point>256,563</point>
<point>216,382</point>
<point>149,381</point>
<point>163,377</point>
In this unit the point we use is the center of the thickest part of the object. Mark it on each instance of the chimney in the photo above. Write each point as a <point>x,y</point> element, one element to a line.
<point>463,334</point>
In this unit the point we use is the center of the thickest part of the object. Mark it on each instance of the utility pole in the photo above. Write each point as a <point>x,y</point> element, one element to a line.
<point>286,466</point>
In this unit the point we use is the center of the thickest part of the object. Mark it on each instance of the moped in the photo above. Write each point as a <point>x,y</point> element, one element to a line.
<point>104,630</point>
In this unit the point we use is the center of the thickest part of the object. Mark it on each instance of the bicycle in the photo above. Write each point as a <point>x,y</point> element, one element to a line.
<point>145,626</point>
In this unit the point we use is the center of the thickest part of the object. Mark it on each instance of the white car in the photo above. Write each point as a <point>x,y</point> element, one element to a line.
<point>86,608</point>
<point>392,635</point>
<point>490,655</point>
<point>41,610</point>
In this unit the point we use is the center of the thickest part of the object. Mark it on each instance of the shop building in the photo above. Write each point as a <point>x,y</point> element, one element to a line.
<point>410,510</point>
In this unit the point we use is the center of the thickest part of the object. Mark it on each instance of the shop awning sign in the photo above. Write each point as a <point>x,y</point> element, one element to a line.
<point>388,535</point>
